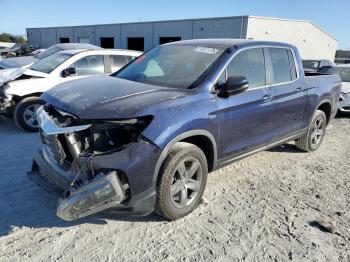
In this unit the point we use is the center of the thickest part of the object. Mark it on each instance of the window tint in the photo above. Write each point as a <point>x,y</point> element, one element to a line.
<point>251,64</point>
<point>117,62</point>
<point>292,65</point>
<point>89,65</point>
<point>281,70</point>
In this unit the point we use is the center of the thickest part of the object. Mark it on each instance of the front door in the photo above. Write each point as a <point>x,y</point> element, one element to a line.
<point>245,118</point>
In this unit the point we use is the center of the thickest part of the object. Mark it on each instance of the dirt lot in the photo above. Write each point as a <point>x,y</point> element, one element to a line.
<point>263,208</point>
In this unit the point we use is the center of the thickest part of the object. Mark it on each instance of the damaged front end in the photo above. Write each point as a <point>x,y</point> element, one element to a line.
<point>86,163</point>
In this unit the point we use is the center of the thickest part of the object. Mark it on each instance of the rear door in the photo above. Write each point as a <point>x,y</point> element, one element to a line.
<point>245,118</point>
<point>116,62</point>
<point>87,66</point>
<point>288,93</point>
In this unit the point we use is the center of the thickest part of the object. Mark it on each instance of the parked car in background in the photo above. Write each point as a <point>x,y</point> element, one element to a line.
<point>313,66</point>
<point>26,61</point>
<point>144,139</point>
<point>37,51</point>
<point>21,88</point>
<point>344,72</point>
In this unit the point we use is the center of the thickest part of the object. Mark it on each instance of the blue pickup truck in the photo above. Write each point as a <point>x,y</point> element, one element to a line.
<point>145,138</point>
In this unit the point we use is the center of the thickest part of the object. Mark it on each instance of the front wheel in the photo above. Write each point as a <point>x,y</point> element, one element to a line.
<point>25,114</point>
<point>182,181</point>
<point>313,138</point>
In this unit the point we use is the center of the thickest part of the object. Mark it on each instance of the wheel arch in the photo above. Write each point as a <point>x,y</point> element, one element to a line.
<point>18,99</point>
<point>201,138</point>
<point>326,107</point>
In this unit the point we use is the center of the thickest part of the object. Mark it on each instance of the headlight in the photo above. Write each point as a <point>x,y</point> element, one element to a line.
<point>109,135</point>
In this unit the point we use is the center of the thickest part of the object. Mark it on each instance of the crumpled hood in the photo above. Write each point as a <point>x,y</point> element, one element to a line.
<point>13,73</point>
<point>345,88</point>
<point>16,62</point>
<point>10,74</point>
<point>106,97</point>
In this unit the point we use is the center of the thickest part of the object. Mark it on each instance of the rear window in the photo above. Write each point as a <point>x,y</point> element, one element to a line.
<point>281,69</point>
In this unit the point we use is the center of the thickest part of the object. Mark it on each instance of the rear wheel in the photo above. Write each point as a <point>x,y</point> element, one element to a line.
<point>25,113</point>
<point>313,138</point>
<point>182,181</point>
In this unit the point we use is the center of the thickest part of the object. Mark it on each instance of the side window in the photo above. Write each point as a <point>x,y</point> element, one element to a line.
<point>251,64</point>
<point>117,62</point>
<point>281,70</point>
<point>131,58</point>
<point>90,65</point>
<point>292,65</point>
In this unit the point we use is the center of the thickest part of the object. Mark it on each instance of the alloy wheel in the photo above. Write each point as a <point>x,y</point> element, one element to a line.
<point>186,182</point>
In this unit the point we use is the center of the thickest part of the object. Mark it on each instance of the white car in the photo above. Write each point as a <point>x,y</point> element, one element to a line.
<point>27,61</point>
<point>21,88</point>
<point>344,72</point>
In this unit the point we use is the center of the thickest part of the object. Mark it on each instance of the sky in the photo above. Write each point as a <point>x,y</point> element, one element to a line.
<point>17,15</point>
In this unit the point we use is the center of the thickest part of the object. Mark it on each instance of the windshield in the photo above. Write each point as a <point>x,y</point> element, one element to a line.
<point>177,66</point>
<point>51,50</point>
<point>48,64</point>
<point>344,72</point>
<point>311,64</point>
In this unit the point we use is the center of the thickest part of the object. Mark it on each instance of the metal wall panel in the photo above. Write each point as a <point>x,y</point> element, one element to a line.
<point>33,35</point>
<point>144,30</point>
<point>65,32</point>
<point>181,29</point>
<point>84,31</point>
<point>218,28</point>
<point>108,31</point>
<point>47,37</point>
<point>312,42</point>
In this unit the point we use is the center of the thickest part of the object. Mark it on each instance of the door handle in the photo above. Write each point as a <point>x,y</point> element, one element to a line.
<point>266,98</point>
<point>299,89</point>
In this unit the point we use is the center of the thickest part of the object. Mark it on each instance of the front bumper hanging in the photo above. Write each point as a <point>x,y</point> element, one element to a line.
<point>101,193</point>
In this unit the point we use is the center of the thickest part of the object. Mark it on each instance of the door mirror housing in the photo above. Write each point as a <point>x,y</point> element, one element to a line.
<point>234,85</point>
<point>69,72</point>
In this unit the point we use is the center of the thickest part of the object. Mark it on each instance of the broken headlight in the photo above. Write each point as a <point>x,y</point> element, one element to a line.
<point>107,135</point>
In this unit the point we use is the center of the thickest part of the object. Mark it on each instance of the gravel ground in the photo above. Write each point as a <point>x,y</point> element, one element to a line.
<point>268,207</point>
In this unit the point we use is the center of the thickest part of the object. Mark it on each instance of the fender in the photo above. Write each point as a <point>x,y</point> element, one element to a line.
<point>177,139</point>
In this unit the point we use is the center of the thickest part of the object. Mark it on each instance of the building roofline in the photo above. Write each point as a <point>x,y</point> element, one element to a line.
<point>294,20</point>
<point>146,22</point>
<point>193,19</point>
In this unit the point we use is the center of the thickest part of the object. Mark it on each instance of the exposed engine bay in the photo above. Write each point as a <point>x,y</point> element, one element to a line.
<point>71,144</point>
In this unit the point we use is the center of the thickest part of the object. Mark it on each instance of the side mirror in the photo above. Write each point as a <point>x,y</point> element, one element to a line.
<point>234,85</point>
<point>69,72</point>
<point>324,69</point>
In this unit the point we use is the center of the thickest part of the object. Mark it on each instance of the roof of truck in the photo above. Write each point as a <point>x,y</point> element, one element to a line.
<point>228,42</point>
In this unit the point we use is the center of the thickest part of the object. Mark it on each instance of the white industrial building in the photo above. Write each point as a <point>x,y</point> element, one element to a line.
<point>312,41</point>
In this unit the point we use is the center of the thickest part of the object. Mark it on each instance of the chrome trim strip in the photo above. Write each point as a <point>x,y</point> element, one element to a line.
<point>49,127</point>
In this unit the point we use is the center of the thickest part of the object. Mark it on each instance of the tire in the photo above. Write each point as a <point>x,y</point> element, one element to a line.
<point>21,114</point>
<point>308,142</point>
<point>176,174</point>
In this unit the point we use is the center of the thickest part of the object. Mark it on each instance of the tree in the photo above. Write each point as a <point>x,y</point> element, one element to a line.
<point>20,40</point>
<point>4,37</point>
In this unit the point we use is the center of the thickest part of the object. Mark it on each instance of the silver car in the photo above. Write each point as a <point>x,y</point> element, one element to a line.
<point>344,71</point>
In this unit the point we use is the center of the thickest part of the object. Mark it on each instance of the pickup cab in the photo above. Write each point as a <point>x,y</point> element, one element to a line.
<point>145,138</point>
